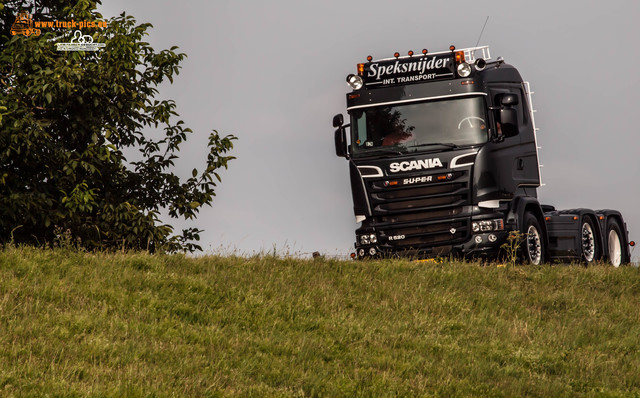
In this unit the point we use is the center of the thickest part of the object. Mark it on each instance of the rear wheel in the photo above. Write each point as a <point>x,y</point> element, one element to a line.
<point>590,249</point>
<point>533,240</point>
<point>614,242</point>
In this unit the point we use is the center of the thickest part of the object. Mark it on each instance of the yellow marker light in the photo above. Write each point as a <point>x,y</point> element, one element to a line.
<point>361,69</point>
<point>459,57</point>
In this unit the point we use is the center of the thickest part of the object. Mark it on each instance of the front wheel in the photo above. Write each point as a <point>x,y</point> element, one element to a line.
<point>533,240</point>
<point>614,242</point>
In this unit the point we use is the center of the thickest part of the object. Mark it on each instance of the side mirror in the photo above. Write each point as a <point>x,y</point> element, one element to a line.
<point>509,122</point>
<point>338,120</point>
<point>509,100</point>
<point>341,142</point>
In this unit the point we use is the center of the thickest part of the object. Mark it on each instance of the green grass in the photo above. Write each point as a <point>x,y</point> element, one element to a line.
<point>78,324</point>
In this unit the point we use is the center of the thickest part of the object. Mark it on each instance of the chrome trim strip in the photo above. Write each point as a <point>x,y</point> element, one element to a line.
<point>376,168</point>
<point>454,164</point>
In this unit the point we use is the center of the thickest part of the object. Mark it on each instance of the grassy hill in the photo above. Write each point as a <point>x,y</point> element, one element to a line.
<point>78,324</point>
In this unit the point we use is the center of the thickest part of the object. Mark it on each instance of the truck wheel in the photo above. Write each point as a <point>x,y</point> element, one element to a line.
<point>614,242</point>
<point>533,240</point>
<point>590,249</point>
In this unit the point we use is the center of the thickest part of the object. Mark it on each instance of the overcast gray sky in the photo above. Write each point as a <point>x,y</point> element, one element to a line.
<point>273,74</point>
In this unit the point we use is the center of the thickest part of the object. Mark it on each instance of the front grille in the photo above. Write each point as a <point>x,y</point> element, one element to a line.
<point>415,192</point>
<point>420,203</point>
<point>421,215</point>
<point>418,216</point>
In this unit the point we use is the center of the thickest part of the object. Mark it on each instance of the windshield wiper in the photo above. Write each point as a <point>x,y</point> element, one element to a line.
<point>447,144</point>
<point>384,150</point>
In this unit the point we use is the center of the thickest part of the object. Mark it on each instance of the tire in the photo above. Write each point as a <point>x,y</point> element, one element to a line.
<point>615,244</point>
<point>589,244</point>
<point>533,244</point>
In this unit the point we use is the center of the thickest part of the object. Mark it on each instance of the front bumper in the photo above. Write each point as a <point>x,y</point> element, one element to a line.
<point>482,245</point>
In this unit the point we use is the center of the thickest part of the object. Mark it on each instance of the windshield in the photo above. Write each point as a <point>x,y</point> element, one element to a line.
<point>412,127</point>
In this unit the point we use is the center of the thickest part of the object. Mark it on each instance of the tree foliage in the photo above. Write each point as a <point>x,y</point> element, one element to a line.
<point>69,119</point>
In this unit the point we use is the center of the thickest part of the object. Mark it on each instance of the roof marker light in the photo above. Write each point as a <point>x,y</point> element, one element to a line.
<point>424,51</point>
<point>369,58</point>
<point>410,53</point>
<point>396,54</point>
<point>452,48</point>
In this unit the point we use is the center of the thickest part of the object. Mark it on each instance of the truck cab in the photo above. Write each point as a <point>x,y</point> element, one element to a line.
<point>443,160</point>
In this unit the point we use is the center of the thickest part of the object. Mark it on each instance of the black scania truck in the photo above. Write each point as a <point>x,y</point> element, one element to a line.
<point>443,161</point>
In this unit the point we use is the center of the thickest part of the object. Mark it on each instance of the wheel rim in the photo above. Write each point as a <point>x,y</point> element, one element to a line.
<point>588,243</point>
<point>615,248</point>
<point>533,245</point>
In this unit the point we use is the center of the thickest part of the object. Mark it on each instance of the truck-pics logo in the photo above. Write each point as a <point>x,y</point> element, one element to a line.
<point>415,165</point>
<point>23,25</point>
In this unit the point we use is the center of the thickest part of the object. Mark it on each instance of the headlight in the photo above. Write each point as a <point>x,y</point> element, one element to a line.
<point>487,225</point>
<point>365,240</point>
<point>368,239</point>
<point>355,82</point>
<point>464,69</point>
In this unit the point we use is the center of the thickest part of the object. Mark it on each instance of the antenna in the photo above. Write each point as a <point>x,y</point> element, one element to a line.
<point>482,31</point>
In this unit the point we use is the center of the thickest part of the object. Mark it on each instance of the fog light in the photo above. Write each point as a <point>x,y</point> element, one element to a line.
<point>478,239</point>
<point>464,69</point>
<point>372,251</point>
<point>492,238</point>
<point>356,82</point>
<point>373,238</point>
<point>361,252</point>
